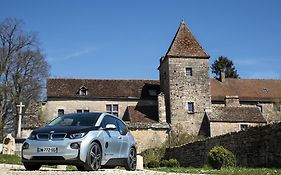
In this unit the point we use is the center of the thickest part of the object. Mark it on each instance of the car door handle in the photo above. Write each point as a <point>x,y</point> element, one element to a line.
<point>119,137</point>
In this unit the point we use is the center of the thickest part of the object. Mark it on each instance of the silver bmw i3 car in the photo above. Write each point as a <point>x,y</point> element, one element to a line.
<point>86,140</point>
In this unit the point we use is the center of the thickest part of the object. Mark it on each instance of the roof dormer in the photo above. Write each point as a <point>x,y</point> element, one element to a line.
<point>83,91</point>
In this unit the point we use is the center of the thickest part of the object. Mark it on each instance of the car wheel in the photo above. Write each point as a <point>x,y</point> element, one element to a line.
<point>80,168</point>
<point>94,157</point>
<point>131,163</point>
<point>31,167</point>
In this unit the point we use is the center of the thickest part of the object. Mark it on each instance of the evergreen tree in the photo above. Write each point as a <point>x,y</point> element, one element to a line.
<point>223,64</point>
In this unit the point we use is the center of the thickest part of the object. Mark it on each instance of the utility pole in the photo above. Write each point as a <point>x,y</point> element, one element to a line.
<point>20,106</point>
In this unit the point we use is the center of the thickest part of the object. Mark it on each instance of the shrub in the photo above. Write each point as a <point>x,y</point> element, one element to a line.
<point>153,164</point>
<point>220,157</point>
<point>164,163</point>
<point>169,163</point>
<point>153,154</point>
<point>173,163</point>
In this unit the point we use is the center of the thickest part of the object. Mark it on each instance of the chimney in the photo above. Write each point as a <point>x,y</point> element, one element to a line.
<point>222,77</point>
<point>231,101</point>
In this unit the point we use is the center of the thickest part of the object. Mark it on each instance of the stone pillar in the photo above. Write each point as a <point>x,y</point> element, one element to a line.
<point>161,108</point>
<point>139,162</point>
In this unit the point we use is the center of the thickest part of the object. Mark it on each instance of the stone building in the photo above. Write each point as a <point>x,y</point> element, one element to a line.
<point>185,100</point>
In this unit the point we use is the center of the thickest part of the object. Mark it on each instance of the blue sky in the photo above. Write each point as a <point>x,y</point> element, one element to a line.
<point>124,39</point>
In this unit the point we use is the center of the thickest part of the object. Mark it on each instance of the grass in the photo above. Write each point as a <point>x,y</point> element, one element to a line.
<point>225,171</point>
<point>10,159</point>
<point>14,159</point>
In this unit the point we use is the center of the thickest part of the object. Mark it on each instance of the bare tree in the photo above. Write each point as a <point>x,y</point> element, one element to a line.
<point>23,68</point>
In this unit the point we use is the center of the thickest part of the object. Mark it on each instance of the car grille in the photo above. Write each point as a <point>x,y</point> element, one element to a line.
<point>53,136</point>
<point>47,158</point>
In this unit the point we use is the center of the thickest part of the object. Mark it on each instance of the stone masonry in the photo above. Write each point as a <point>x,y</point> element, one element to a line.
<point>256,147</point>
<point>181,87</point>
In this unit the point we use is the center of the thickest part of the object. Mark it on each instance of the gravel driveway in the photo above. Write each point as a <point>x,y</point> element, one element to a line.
<point>19,170</point>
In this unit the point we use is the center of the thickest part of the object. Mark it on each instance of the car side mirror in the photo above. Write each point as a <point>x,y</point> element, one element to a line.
<point>110,127</point>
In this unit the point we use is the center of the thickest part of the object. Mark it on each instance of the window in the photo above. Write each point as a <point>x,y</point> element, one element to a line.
<point>243,127</point>
<point>88,119</point>
<point>60,112</point>
<point>108,120</point>
<point>83,91</point>
<point>82,110</point>
<point>86,110</point>
<point>188,71</point>
<point>190,107</point>
<point>122,128</point>
<point>66,122</point>
<point>112,109</point>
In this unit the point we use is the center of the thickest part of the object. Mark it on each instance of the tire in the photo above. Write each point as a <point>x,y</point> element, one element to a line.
<point>31,167</point>
<point>80,168</point>
<point>94,157</point>
<point>131,162</point>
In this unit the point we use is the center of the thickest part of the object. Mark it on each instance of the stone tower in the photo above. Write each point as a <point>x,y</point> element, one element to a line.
<point>185,82</point>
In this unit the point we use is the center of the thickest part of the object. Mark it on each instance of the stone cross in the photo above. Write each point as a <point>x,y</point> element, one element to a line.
<point>20,116</point>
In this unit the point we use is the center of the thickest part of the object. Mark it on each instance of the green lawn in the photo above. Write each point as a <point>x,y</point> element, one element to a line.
<point>10,159</point>
<point>226,171</point>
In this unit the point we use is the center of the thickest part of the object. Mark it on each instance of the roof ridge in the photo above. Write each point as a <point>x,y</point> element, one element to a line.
<point>184,44</point>
<point>257,79</point>
<point>236,107</point>
<point>102,79</point>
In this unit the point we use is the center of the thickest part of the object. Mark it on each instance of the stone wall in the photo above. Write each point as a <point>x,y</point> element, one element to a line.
<point>220,128</point>
<point>149,138</point>
<point>185,88</point>
<point>256,147</point>
<point>269,113</point>
<point>164,84</point>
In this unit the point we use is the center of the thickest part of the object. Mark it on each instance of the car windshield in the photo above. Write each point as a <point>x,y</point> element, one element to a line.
<point>85,119</point>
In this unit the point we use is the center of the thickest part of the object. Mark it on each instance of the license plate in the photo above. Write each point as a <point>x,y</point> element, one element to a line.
<point>47,150</point>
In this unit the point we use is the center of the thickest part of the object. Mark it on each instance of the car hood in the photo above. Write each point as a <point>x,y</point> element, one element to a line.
<point>64,129</point>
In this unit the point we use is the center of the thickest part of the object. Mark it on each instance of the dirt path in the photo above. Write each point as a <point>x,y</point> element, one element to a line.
<point>19,170</point>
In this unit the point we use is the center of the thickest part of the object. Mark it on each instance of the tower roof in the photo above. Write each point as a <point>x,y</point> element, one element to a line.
<point>184,44</point>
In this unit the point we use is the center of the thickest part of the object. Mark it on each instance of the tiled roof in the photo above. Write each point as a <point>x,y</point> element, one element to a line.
<point>184,44</point>
<point>141,114</point>
<point>236,114</point>
<point>246,89</point>
<point>60,87</point>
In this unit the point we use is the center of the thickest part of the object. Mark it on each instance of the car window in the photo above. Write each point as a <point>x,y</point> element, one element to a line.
<point>85,119</point>
<point>122,128</point>
<point>108,120</point>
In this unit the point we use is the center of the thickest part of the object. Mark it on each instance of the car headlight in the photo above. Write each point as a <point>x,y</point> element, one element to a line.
<point>77,135</point>
<point>32,136</point>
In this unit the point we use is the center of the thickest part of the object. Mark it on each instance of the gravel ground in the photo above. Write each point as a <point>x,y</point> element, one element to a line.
<point>19,170</point>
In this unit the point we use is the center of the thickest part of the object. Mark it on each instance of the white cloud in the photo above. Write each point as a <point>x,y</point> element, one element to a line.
<point>78,53</point>
<point>71,55</point>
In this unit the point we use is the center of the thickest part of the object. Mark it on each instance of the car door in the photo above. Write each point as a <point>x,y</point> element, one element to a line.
<point>112,141</point>
<point>123,130</point>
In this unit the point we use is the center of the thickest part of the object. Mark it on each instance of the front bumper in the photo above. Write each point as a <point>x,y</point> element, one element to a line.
<point>64,154</point>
